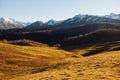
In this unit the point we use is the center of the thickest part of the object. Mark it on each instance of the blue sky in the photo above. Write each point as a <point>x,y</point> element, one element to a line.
<point>32,10</point>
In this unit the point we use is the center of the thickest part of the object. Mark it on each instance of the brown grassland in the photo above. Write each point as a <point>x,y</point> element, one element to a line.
<point>51,63</point>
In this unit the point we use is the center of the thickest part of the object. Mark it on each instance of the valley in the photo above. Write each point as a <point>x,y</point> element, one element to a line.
<point>84,47</point>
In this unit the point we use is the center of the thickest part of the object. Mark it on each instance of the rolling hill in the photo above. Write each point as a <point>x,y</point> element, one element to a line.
<point>44,63</point>
<point>21,60</point>
<point>99,67</point>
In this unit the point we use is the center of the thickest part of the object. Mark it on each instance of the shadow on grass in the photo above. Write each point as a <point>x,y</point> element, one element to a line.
<point>99,47</point>
<point>112,46</point>
<point>96,51</point>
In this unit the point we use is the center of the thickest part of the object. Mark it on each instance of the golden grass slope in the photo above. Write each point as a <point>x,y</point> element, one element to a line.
<point>98,67</point>
<point>20,60</point>
<point>50,63</point>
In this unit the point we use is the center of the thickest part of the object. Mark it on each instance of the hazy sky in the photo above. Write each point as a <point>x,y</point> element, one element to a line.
<point>32,10</point>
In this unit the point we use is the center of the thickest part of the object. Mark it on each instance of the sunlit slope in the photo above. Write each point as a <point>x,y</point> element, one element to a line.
<point>104,66</point>
<point>96,62</point>
<point>20,60</point>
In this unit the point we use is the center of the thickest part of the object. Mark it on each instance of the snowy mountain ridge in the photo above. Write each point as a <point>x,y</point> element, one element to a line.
<point>12,21</point>
<point>8,23</point>
<point>113,16</point>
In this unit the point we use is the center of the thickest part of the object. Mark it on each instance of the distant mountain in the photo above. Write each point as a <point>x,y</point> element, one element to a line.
<point>35,24</point>
<point>88,19</point>
<point>77,20</point>
<point>113,16</point>
<point>53,22</point>
<point>9,23</point>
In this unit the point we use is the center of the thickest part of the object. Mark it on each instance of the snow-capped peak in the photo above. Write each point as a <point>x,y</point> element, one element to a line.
<point>12,21</point>
<point>113,16</point>
<point>75,19</point>
<point>80,16</point>
<point>7,20</point>
<point>52,22</point>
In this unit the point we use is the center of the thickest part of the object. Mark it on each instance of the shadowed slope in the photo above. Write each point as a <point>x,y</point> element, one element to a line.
<point>92,38</point>
<point>51,34</point>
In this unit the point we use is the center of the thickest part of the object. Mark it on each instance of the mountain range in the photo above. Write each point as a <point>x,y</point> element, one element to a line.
<point>55,32</point>
<point>9,23</point>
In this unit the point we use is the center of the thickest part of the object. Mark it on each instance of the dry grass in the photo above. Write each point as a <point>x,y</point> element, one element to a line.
<point>25,42</point>
<point>20,60</point>
<point>46,63</point>
<point>98,67</point>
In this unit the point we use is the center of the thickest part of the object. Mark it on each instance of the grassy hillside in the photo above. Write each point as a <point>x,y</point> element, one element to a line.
<point>104,66</point>
<point>50,63</point>
<point>20,60</point>
<point>25,42</point>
